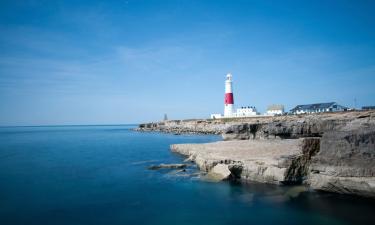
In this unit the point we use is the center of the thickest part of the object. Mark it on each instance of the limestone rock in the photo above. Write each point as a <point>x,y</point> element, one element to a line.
<point>330,151</point>
<point>219,172</point>
<point>268,161</point>
<point>167,166</point>
<point>290,126</point>
<point>345,163</point>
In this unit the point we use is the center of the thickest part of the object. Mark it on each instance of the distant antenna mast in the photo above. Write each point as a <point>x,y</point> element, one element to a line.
<point>165,117</point>
<point>355,103</point>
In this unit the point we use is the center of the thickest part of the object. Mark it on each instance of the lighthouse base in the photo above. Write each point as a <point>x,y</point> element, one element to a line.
<point>228,110</point>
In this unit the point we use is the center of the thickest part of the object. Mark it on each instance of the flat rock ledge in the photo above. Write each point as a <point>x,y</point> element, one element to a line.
<point>267,161</point>
<point>286,161</point>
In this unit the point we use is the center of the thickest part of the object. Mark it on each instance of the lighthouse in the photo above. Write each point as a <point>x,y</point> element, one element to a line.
<point>229,111</point>
<point>228,99</point>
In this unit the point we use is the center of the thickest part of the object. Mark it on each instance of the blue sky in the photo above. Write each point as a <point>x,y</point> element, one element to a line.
<point>111,62</point>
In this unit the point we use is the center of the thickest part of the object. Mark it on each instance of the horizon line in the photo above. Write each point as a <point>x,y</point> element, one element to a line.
<point>68,125</point>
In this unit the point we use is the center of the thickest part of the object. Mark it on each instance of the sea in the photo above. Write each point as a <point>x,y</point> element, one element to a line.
<point>99,175</point>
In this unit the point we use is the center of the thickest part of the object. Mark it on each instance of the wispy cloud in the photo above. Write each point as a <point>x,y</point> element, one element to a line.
<point>161,58</point>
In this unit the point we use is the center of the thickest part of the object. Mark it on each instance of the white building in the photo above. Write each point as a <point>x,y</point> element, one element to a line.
<point>273,110</point>
<point>318,108</point>
<point>246,111</point>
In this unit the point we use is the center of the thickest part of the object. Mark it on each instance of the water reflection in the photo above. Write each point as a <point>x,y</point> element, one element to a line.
<point>350,209</point>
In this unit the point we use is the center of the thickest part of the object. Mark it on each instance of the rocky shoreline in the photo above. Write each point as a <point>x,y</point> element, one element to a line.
<point>276,161</point>
<point>332,152</point>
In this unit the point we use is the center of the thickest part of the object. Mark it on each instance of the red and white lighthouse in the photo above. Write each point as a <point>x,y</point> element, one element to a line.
<point>228,100</point>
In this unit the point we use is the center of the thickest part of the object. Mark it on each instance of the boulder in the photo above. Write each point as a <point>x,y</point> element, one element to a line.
<point>219,172</point>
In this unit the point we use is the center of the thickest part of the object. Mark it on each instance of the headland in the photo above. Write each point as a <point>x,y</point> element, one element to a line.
<point>332,152</point>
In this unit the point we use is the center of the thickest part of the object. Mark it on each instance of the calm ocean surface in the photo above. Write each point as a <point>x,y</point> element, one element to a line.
<point>98,175</point>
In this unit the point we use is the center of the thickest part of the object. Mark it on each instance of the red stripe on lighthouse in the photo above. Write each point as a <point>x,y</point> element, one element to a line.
<point>228,98</point>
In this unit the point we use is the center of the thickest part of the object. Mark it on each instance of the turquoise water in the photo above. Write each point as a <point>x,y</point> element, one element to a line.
<point>98,175</point>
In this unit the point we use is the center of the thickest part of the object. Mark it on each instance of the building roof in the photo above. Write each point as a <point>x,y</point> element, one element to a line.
<point>368,107</point>
<point>315,106</point>
<point>275,107</point>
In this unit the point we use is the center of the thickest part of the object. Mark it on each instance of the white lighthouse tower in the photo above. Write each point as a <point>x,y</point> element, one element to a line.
<point>228,99</point>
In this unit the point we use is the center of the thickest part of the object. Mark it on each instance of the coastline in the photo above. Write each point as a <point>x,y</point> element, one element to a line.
<point>333,152</point>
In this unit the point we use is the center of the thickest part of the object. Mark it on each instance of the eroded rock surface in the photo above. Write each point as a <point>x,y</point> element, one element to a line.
<point>345,163</point>
<point>269,161</point>
<point>291,126</point>
<point>219,172</point>
<point>331,152</point>
<point>342,160</point>
<point>300,126</point>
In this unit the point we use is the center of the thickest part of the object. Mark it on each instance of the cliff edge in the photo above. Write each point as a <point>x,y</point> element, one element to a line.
<point>332,152</point>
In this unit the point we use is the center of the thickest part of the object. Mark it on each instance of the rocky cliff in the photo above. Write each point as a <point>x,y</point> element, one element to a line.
<point>345,162</point>
<point>187,126</point>
<point>331,152</point>
<point>291,126</point>
<point>268,161</point>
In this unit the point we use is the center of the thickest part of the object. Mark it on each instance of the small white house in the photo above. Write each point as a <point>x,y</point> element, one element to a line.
<point>318,108</point>
<point>273,110</point>
<point>246,111</point>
